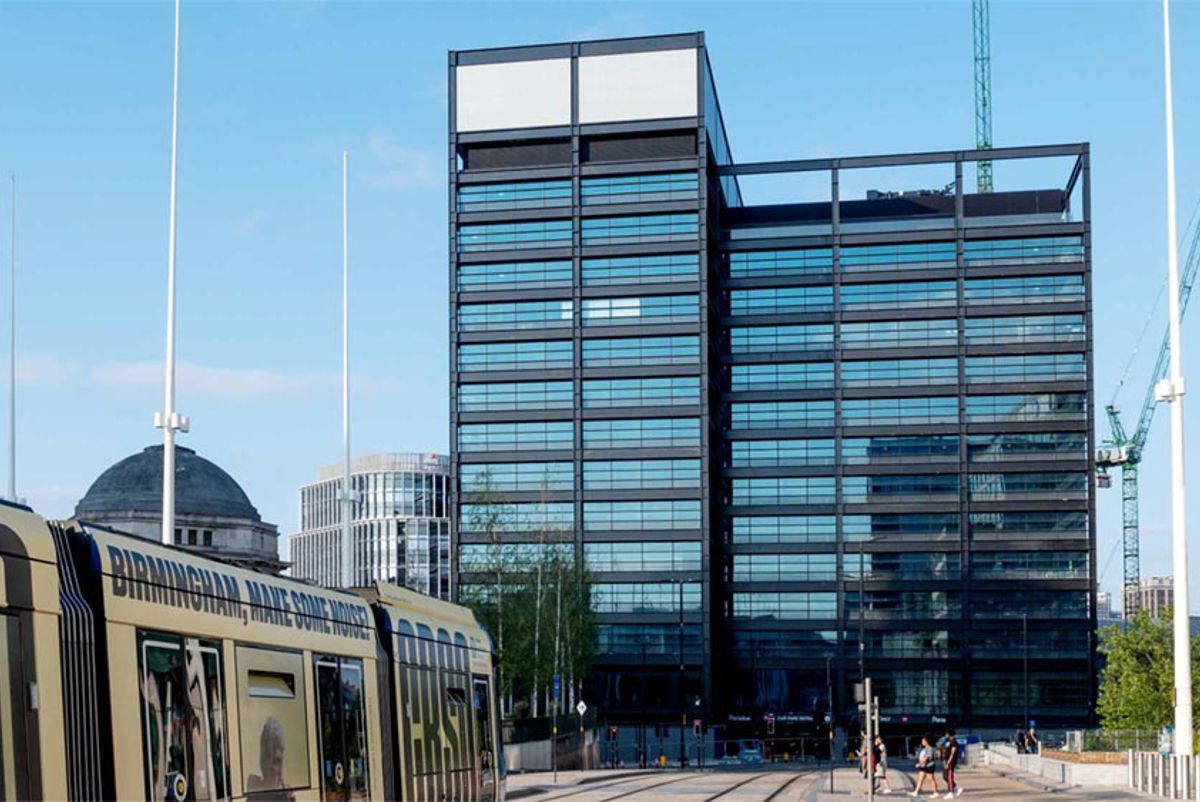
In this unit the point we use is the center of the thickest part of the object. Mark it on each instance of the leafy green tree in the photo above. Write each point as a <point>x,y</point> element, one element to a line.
<point>1139,675</point>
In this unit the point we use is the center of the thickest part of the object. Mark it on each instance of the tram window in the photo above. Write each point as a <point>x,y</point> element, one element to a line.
<point>341,724</point>
<point>183,718</point>
<point>456,696</point>
<point>483,737</point>
<point>273,722</point>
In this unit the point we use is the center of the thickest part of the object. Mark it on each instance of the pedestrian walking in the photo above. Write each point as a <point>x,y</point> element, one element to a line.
<point>926,768</point>
<point>1020,741</point>
<point>1032,743</point>
<point>879,759</point>
<point>953,751</point>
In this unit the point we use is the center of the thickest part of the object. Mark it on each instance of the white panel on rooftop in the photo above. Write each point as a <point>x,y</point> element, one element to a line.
<point>519,94</point>
<point>638,86</point>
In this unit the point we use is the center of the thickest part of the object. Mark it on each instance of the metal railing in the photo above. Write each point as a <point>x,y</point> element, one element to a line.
<point>1165,776</point>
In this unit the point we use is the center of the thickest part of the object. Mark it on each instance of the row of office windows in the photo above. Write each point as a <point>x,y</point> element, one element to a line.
<point>899,488</point>
<point>597,394</point>
<point>649,269</point>
<point>525,315</point>
<point>527,234</point>
<point>909,566</point>
<point>648,188</point>
<point>933,604</point>
<point>551,354</point>
<point>1008,525</point>
<point>894,450</point>
<point>909,372</point>
<point>1020,329</point>
<point>598,516</point>
<point>922,410</point>
<point>548,435</point>
<point>907,295</point>
<point>912,256</point>
<point>792,644</point>
<point>515,477</point>
<point>646,597</point>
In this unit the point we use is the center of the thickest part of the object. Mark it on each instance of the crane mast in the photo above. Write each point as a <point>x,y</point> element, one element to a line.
<point>982,25</point>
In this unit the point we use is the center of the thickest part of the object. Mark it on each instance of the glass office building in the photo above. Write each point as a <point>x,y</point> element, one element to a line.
<point>400,524</point>
<point>793,442</point>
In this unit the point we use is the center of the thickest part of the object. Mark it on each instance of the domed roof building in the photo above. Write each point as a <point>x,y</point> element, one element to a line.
<point>213,515</point>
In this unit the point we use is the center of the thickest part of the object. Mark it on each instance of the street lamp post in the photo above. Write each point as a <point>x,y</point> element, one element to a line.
<point>1025,663</point>
<point>682,705</point>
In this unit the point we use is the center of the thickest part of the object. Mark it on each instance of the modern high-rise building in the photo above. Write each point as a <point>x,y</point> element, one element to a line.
<point>843,429</point>
<point>400,524</point>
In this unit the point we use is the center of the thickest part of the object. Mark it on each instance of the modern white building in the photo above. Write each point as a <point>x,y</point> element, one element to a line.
<point>400,523</point>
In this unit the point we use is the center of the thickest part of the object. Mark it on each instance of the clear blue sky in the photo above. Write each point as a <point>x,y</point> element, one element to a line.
<point>272,93</point>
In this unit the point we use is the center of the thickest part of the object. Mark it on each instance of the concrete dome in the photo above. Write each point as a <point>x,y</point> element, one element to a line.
<point>135,485</point>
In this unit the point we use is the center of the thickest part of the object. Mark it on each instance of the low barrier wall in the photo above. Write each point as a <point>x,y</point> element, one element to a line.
<point>575,751</point>
<point>1166,776</point>
<point>1062,772</point>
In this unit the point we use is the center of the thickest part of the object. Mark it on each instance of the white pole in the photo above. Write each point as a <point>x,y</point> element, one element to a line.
<point>347,495</point>
<point>170,421</point>
<point>12,338</point>
<point>1171,390</point>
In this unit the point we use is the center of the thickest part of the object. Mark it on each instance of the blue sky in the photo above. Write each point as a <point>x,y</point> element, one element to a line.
<point>273,92</point>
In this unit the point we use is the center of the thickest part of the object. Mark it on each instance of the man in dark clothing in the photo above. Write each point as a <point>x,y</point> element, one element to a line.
<point>1020,741</point>
<point>953,752</point>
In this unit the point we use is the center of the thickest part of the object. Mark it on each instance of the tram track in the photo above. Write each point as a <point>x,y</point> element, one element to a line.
<point>636,786</point>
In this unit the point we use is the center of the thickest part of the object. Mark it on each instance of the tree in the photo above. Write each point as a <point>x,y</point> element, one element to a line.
<point>1139,675</point>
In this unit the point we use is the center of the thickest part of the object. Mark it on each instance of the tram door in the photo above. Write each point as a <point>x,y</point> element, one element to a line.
<point>342,726</point>
<point>483,739</point>
<point>13,769</point>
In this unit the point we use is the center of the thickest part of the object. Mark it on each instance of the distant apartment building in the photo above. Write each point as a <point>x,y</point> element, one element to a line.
<point>400,523</point>
<point>1153,593</point>
<point>1105,614</point>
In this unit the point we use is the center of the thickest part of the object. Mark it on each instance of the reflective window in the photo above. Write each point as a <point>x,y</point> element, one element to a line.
<point>781,453</point>
<point>640,311</point>
<point>529,436</point>
<point>787,376</point>
<point>784,606</point>
<point>750,264</point>
<point>1001,693</point>
<point>640,228</point>
<point>899,372</point>
<point>646,597</point>
<point>903,565</point>
<point>926,643</point>
<point>923,691</point>
<point>516,356</point>
<point>1042,525</point>
<point>1050,604</point>
<point>785,490</point>
<point>654,269</point>
<point>1025,368</point>
<point>508,316</point>
<point>899,488</point>
<point>1027,486</point>
<point>641,474</point>
<point>1029,564</point>
<point>486,556</point>
<point>783,529</point>
<point>900,334</point>
<point>667,391</point>
<point>514,195</point>
<point>772,339</point>
<point>1030,250</point>
<point>616,516</point>
<point>655,639</point>
<point>341,720</point>
<point>1026,407</point>
<point>647,188</point>
<point>914,256</point>
<point>1013,641</point>
<point>514,236</point>
<point>781,414</point>
<point>184,735</point>
<point>274,721</point>
<point>510,396</point>
<point>783,644</point>
<point>1023,290</point>
<point>1026,329</point>
<point>641,433</point>
<point>636,351</point>
<point>909,295</point>
<point>643,556</point>
<point>514,275</point>
<point>1025,446</point>
<point>889,604</point>
<point>781,301</point>
<point>900,411</point>
<point>784,567</point>
<point>517,477</point>
<point>890,450</point>
<point>538,517</point>
<point>879,527</point>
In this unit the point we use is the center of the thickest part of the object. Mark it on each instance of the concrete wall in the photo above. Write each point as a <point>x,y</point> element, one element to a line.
<point>535,755</point>
<point>1056,771</point>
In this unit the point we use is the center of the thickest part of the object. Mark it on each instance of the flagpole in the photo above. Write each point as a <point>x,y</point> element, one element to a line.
<point>12,338</point>
<point>1171,390</point>
<point>169,420</point>
<point>347,494</point>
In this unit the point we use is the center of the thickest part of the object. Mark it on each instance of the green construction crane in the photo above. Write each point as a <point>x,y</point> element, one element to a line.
<point>1124,450</point>
<point>982,18</point>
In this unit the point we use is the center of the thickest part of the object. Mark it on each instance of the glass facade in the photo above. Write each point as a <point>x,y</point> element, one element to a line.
<point>874,426</point>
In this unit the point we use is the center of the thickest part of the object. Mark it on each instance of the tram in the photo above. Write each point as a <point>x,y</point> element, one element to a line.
<point>136,670</point>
